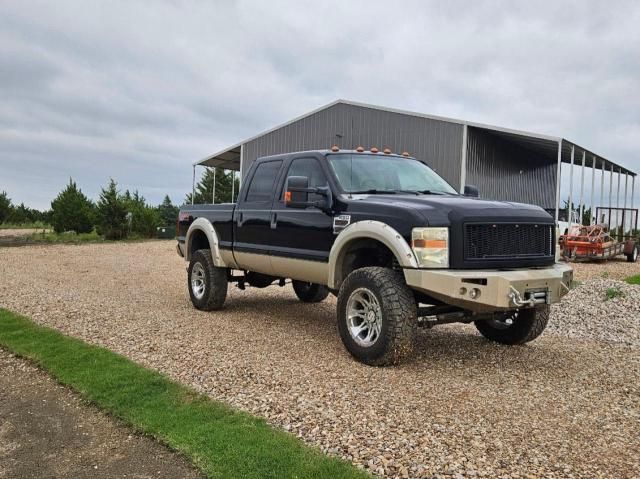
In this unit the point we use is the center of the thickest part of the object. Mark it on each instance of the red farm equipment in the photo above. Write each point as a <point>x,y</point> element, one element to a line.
<point>596,242</point>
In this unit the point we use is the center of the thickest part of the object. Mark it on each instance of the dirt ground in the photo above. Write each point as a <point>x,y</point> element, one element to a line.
<point>464,407</point>
<point>46,431</point>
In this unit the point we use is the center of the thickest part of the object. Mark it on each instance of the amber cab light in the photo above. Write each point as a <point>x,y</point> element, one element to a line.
<point>374,149</point>
<point>386,151</point>
<point>360,149</point>
<point>335,148</point>
<point>405,153</point>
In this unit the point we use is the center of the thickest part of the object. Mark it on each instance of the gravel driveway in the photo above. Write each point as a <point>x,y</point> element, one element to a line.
<point>558,407</point>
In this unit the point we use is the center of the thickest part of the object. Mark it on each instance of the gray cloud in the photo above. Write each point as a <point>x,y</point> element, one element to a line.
<point>138,91</point>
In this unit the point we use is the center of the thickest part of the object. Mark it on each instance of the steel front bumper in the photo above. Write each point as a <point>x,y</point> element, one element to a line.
<point>492,290</point>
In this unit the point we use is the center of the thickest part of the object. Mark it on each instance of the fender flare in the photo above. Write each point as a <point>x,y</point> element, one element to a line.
<point>204,225</point>
<point>368,229</point>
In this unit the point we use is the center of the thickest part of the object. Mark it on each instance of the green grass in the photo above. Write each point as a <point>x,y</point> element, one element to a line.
<point>221,442</point>
<point>613,293</point>
<point>633,279</point>
<point>52,237</point>
<point>36,225</point>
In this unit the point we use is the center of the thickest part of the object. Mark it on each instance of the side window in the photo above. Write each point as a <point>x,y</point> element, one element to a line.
<point>310,168</point>
<point>261,187</point>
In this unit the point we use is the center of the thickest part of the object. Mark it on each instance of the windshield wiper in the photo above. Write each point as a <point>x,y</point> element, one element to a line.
<point>373,191</point>
<point>429,192</point>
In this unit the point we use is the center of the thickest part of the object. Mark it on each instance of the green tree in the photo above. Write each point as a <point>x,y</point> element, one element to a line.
<point>112,213</point>
<point>5,207</point>
<point>204,188</point>
<point>144,218</point>
<point>71,210</point>
<point>168,212</point>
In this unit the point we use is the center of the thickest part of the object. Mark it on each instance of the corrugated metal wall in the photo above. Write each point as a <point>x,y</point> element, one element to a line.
<point>505,171</point>
<point>437,142</point>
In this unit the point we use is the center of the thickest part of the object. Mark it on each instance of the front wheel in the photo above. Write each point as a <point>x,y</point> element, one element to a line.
<point>310,292</point>
<point>377,316</point>
<point>515,327</point>
<point>207,283</point>
<point>633,256</point>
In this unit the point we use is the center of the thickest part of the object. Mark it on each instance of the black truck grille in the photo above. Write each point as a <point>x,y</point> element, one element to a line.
<point>505,241</point>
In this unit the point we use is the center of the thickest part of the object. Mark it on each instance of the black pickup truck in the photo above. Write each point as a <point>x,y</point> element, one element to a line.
<point>392,239</point>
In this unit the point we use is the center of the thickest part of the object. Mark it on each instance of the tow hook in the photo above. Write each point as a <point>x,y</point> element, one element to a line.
<point>535,298</point>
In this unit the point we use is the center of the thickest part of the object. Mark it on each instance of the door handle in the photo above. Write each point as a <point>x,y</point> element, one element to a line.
<point>274,220</point>
<point>240,219</point>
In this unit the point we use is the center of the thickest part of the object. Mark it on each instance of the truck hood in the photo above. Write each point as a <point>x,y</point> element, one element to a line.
<point>444,210</point>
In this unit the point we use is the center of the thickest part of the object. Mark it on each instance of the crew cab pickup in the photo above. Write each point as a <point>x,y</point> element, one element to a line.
<point>397,245</point>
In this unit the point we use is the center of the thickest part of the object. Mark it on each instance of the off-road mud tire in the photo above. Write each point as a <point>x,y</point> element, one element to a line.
<point>215,282</point>
<point>396,341</point>
<point>527,326</point>
<point>310,292</point>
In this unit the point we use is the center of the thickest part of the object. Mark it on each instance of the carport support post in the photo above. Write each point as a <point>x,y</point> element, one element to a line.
<point>611,190</point>
<point>570,205</point>
<point>193,184</point>
<point>618,190</point>
<point>233,184</point>
<point>601,190</point>
<point>213,194</point>
<point>558,178</point>
<point>581,208</point>
<point>626,181</point>
<point>593,192</point>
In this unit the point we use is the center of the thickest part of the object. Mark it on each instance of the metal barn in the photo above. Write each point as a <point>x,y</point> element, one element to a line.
<point>505,164</point>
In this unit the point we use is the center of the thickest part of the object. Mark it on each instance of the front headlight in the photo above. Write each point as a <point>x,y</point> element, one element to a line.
<point>431,247</point>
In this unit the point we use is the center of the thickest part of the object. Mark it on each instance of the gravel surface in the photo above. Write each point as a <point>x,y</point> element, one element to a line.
<point>464,407</point>
<point>617,268</point>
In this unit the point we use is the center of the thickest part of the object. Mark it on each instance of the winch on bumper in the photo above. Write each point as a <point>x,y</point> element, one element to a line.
<point>485,291</point>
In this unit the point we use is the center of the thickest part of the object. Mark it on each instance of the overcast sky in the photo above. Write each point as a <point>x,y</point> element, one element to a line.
<point>137,91</point>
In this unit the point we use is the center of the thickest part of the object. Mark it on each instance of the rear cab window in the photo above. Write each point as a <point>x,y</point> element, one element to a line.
<point>260,189</point>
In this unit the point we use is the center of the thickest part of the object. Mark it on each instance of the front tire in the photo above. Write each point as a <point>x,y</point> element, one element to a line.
<point>207,283</point>
<point>515,327</point>
<point>310,292</point>
<point>633,256</point>
<point>377,316</point>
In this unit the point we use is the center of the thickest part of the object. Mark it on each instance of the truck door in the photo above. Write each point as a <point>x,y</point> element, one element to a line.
<point>253,219</point>
<point>301,238</point>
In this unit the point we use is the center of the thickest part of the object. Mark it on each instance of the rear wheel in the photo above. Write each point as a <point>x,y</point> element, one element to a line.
<point>207,283</point>
<point>633,256</point>
<point>377,316</point>
<point>310,292</point>
<point>515,327</point>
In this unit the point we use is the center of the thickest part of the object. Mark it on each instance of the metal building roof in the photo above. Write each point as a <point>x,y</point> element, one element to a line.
<point>544,145</point>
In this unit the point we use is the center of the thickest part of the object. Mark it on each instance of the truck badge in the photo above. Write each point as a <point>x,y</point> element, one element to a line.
<point>340,222</point>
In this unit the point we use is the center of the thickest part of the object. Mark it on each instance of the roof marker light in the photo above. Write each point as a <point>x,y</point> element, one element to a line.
<point>335,148</point>
<point>360,149</point>
<point>387,151</point>
<point>405,153</point>
<point>374,149</point>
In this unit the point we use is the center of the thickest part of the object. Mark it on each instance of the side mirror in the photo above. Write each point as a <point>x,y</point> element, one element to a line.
<point>472,191</point>
<point>296,194</point>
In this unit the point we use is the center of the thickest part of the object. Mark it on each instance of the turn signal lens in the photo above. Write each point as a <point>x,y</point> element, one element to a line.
<point>287,197</point>
<point>431,246</point>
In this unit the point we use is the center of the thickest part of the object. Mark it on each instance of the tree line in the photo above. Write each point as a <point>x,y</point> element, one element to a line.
<point>115,215</point>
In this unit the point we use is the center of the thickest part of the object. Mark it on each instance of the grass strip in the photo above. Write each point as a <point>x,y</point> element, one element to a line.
<point>220,441</point>
<point>633,279</point>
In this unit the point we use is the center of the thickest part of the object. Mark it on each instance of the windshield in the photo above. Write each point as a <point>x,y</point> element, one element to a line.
<point>375,173</point>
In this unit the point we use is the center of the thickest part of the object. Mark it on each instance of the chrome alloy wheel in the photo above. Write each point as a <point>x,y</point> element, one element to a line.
<point>198,280</point>
<point>364,317</point>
